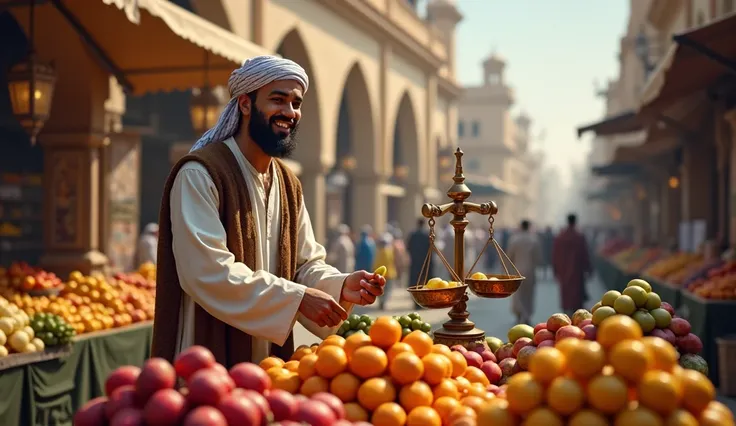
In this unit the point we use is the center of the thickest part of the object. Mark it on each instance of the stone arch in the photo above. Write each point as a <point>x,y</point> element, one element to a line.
<point>292,47</point>
<point>355,151</point>
<point>407,165</point>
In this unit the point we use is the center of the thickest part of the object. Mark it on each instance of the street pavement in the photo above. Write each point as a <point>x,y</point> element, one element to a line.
<point>494,316</point>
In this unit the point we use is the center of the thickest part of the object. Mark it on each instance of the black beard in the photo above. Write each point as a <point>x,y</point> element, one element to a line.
<point>274,145</point>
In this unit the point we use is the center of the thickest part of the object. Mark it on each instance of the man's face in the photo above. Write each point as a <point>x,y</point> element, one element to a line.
<point>274,117</point>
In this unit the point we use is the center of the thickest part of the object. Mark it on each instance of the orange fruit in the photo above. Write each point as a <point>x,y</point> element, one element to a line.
<point>474,402</point>
<point>587,417</point>
<point>446,387</point>
<point>659,391</point>
<point>385,332</point>
<point>719,406</point>
<point>389,414</point>
<point>419,341</point>
<point>439,349</point>
<point>331,361</point>
<point>630,359</point>
<point>546,364</point>
<point>496,414</point>
<point>306,366</point>
<point>607,394</point>
<point>345,386</point>
<point>333,340</point>
<point>523,392</point>
<point>436,368</point>
<point>459,363</point>
<point>543,416</point>
<point>313,385</point>
<point>565,396</point>
<point>639,416</point>
<point>566,345</point>
<point>476,375</point>
<point>288,381</point>
<point>586,359</point>
<point>477,389</point>
<point>396,349</point>
<point>354,342</point>
<point>697,391</point>
<point>444,406</point>
<point>423,416</point>
<point>270,362</point>
<point>355,413</point>
<point>417,394</point>
<point>463,384</point>
<point>406,368</point>
<point>616,329</point>
<point>664,355</point>
<point>374,392</point>
<point>461,412</point>
<point>292,366</point>
<point>368,361</point>
<point>300,353</point>
<point>681,417</point>
<point>711,417</point>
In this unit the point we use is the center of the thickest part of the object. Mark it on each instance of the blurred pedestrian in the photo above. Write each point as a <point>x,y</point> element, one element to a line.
<point>147,245</point>
<point>418,246</point>
<point>365,252</point>
<point>341,254</point>
<point>571,266</point>
<point>401,256</point>
<point>525,251</point>
<point>385,257</point>
<point>548,240</point>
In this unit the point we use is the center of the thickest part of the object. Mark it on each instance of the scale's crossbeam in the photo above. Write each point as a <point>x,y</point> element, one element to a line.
<point>461,208</point>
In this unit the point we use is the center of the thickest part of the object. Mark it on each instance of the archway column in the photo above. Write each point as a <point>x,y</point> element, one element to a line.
<point>314,188</point>
<point>411,206</point>
<point>369,202</point>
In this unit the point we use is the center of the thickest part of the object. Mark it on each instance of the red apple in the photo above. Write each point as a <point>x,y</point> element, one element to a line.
<point>543,335</point>
<point>282,404</point>
<point>258,399</point>
<point>492,371</point>
<point>125,375</point>
<point>520,343</point>
<point>540,326</point>
<point>332,401</point>
<point>156,374</point>
<point>92,413</point>
<point>569,331</point>
<point>473,358</point>
<point>546,343</point>
<point>128,417</point>
<point>205,416</point>
<point>585,322</point>
<point>459,348</point>
<point>192,360</point>
<point>315,413</point>
<point>487,355</point>
<point>250,376</point>
<point>239,410</point>
<point>166,407</point>
<point>505,351</point>
<point>123,397</point>
<point>208,387</point>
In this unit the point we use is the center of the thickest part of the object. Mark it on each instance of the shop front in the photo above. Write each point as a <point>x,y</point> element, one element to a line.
<point>93,53</point>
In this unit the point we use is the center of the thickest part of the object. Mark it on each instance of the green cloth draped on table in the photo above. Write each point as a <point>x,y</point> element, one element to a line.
<point>49,392</point>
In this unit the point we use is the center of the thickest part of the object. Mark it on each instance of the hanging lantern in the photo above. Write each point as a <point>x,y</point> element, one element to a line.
<point>24,79</point>
<point>446,161</point>
<point>348,163</point>
<point>674,182</point>
<point>205,108</point>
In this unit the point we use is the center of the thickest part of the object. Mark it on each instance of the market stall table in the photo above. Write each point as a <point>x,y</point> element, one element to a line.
<point>50,391</point>
<point>710,319</point>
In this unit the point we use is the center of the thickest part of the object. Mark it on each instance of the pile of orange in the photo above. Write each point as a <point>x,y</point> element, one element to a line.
<point>385,379</point>
<point>621,379</point>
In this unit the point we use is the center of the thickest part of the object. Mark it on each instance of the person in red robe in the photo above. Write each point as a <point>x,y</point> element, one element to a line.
<point>571,266</point>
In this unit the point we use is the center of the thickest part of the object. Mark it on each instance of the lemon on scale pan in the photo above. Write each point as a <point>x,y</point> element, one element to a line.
<point>438,283</point>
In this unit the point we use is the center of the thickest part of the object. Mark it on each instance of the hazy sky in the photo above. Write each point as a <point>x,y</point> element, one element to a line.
<point>554,50</point>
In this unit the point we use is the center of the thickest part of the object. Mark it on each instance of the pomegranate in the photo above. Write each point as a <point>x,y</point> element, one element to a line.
<point>569,331</point>
<point>689,344</point>
<point>540,326</point>
<point>331,401</point>
<point>156,374</point>
<point>542,335</point>
<point>458,348</point>
<point>239,410</point>
<point>166,407</point>
<point>680,327</point>
<point>473,358</point>
<point>125,375</point>
<point>123,397</point>
<point>250,376</point>
<point>259,401</point>
<point>315,413</point>
<point>282,404</point>
<point>128,417</point>
<point>192,360</point>
<point>208,387</point>
<point>487,355</point>
<point>205,415</point>
<point>92,413</point>
<point>492,371</point>
<point>521,342</point>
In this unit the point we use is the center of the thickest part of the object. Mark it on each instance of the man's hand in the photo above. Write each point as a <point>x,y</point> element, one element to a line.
<point>320,308</point>
<point>362,288</point>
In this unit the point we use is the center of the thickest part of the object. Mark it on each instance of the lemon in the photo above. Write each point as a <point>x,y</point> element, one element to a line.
<point>478,276</point>
<point>381,270</point>
<point>436,283</point>
<point>452,284</point>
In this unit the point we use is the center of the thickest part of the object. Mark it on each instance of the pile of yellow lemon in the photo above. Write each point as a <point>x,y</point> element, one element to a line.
<point>385,379</point>
<point>622,379</point>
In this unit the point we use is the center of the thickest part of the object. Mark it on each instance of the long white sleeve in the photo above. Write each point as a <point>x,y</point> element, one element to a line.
<point>314,272</point>
<point>258,303</point>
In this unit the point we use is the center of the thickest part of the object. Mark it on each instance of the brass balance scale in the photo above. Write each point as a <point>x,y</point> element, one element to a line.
<point>459,329</point>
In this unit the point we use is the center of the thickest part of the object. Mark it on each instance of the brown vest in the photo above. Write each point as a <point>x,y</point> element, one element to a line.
<point>229,345</point>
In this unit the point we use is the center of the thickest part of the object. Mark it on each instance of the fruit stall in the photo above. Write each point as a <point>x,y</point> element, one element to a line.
<point>59,339</point>
<point>700,287</point>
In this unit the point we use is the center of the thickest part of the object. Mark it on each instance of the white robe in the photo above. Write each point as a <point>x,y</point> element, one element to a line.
<point>257,302</point>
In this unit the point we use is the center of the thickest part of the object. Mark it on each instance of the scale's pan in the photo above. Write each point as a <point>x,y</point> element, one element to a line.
<point>498,286</point>
<point>437,298</point>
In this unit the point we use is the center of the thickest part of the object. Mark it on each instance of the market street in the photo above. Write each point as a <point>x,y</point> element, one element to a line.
<point>493,316</point>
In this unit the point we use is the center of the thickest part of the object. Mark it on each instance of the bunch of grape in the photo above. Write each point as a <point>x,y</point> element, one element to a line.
<point>412,322</point>
<point>52,329</point>
<point>354,324</point>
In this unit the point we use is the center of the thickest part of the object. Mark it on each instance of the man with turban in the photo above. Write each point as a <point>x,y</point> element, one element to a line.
<point>238,264</point>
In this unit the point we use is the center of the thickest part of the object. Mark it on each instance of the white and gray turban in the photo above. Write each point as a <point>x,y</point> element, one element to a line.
<point>254,74</point>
